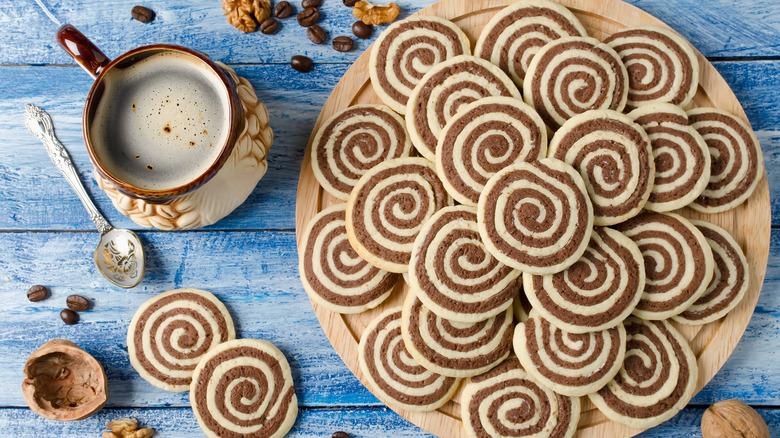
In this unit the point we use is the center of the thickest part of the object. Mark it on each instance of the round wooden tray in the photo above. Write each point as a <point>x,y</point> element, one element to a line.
<point>749,223</point>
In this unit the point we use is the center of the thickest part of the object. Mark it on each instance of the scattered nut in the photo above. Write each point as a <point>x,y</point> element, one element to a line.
<point>127,428</point>
<point>733,419</point>
<point>374,14</point>
<point>244,15</point>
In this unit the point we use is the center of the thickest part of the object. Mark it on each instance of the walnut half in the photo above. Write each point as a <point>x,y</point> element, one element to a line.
<point>127,428</point>
<point>375,14</point>
<point>733,419</point>
<point>244,15</point>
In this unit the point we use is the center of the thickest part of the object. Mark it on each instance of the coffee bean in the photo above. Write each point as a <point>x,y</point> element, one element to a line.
<point>37,293</point>
<point>308,16</point>
<point>340,434</point>
<point>69,317</point>
<point>311,3</point>
<point>283,9</point>
<point>77,303</point>
<point>343,43</point>
<point>142,14</point>
<point>301,63</point>
<point>350,3</point>
<point>269,26</point>
<point>316,34</point>
<point>362,30</point>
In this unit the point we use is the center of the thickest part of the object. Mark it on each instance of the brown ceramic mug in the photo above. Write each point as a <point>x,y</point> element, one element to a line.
<point>160,120</point>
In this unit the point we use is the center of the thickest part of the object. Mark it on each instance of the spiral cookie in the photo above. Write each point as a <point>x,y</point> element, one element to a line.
<point>451,348</point>
<point>569,363</point>
<point>658,377</point>
<point>571,75</point>
<point>387,208</point>
<point>507,402</point>
<point>678,263</point>
<point>737,161</point>
<point>597,292</point>
<point>513,36</point>
<point>244,388</point>
<point>396,378</point>
<point>483,138</point>
<point>730,278</point>
<point>682,159</point>
<point>171,332</point>
<point>353,141</point>
<point>536,217</point>
<point>333,274</point>
<point>406,50</point>
<point>662,66</point>
<point>453,273</point>
<point>444,90</point>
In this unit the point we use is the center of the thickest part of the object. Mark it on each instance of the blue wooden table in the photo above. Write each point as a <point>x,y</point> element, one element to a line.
<point>249,259</point>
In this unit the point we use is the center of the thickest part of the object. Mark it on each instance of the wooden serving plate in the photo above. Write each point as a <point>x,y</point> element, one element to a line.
<point>748,223</point>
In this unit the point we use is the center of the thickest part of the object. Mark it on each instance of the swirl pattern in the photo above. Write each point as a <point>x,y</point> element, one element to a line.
<point>737,160</point>
<point>662,66</point>
<point>353,141</point>
<point>172,331</point>
<point>244,388</point>
<point>516,33</point>
<point>393,374</point>
<point>678,263</point>
<point>444,90</point>
<point>536,217</point>
<point>483,138</point>
<point>597,292</point>
<point>333,274</point>
<point>571,75</point>
<point>614,156</point>
<point>658,377</point>
<point>406,50</point>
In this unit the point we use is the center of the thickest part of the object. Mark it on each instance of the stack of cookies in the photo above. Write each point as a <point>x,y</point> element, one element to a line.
<point>527,194</point>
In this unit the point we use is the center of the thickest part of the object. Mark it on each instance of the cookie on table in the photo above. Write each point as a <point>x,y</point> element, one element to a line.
<point>614,156</point>
<point>172,331</point>
<point>244,388</point>
<point>730,279</point>
<point>388,207</point>
<point>484,137</point>
<point>518,309</point>
<point>516,33</point>
<point>737,160</point>
<point>657,380</point>
<point>444,90</point>
<point>678,263</point>
<point>682,158</point>
<point>661,65</point>
<point>393,374</point>
<point>536,217</point>
<point>333,274</point>
<point>406,50</point>
<point>353,141</point>
<point>452,272</point>
<point>571,75</point>
<point>598,292</point>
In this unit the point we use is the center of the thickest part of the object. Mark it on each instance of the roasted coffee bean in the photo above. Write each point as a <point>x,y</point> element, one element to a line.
<point>340,434</point>
<point>37,293</point>
<point>77,303</point>
<point>362,30</point>
<point>142,14</point>
<point>308,16</point>
<point>301,63</point>
<point>316,34</point>
<point>343,43</point>
<point>283,9</point>
<point>69,317</point>
<point>311,3</point>
<point>269,26</point>
<point>350,3</point>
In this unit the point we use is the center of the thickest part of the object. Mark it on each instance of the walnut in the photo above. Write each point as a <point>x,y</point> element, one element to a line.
<point>127,428</point>
<point>374,14</point>
<point>244,15</point>
<point>733,419</point>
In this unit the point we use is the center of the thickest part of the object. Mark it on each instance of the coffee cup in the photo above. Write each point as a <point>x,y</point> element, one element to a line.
<point>159,120</point>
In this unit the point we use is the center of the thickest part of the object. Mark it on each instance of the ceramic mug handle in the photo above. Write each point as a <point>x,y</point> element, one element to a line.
<point>86,54</point>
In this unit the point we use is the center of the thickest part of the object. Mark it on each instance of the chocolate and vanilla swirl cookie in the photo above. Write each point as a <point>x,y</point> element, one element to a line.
<point>513,36</point>
<point>536,217</point>
<point>571,75</point>
<point>172,331</point>
<point>484,137</point>
<point>572,364</point>
<point>388,207</point>
<point>406,50</point>
<point>658,377</point>
<point>678,263</point>
<point>455,349</point>
<point>508,402</point>
<point>333,274</point>
<point>737,160</point>
<point>393,374</point>
<point>444,90</point>
<point>597,292</point>
<point>453,273</point>
<point>729,282</point>
<point>682,159</point>
<point>354,140</point>
<point>662,66</point>
<point>244,388</point>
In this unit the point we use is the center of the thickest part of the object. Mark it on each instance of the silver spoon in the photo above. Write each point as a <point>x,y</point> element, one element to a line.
<point>119,255</point>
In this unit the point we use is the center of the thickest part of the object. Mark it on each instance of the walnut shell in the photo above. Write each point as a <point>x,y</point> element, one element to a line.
<point>733,419</point>
<point>375,14</point>
<point>63,382</point>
